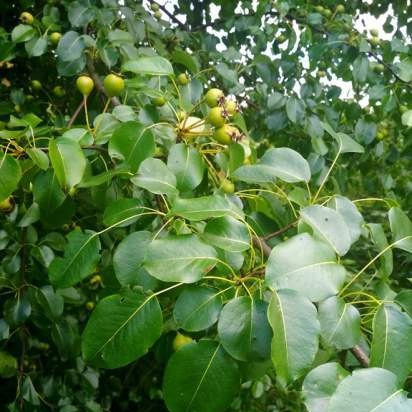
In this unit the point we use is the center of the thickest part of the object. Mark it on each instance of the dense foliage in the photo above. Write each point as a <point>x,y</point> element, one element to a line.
<point>206,209</point>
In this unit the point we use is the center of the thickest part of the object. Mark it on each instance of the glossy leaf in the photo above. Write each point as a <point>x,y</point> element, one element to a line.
<point>132,143</point>
<point>81,256</point>
<point>68,161</point>
<point>296,329</point>
<point>197,308</point>
<point>121,329</point>
<point>244,331</point>
<point>392,334</point>
<point>10,175</point>
<point>193,260</point>
<point>306,265</point>
<point>154,65</point>
<point>227,233</point>
<point>200,377</point>
<point>154,176</point>
<point>340,323</point>
<point>129,256</point>
<point>328,225</point>
<point>401,228</point>
<point>187,165</point>
<point>320,384</point>
<point>123,212</point>
<point>368,390</point>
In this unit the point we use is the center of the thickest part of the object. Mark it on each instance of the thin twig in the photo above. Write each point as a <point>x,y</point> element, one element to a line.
<point>280,231</point>
<point>170,15</point>
<point>75,114</point>
<point>360,355</point>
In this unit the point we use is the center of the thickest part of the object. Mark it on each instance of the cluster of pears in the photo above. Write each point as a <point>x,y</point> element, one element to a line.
<point>374,40</point>
<point>221,110</point>
<point>112,83</point>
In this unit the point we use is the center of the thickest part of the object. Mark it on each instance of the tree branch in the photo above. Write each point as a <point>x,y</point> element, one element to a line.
<point>75,114</point>
<point>360,355</point>
<point>280,231</point>
<point>170,15</point>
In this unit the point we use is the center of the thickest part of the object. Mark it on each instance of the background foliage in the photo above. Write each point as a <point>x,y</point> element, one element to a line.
<point>149,263</point>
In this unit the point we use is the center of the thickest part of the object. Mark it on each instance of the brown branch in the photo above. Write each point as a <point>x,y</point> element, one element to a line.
<point>75,114</point>
<point>280,231</point>
<point>360,355</point>
<point>98,83</point>
<point>170,15</point>
<point>259,243</point>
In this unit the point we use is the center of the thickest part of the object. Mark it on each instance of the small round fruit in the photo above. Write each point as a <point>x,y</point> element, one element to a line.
<point>375,41</point>
<point>181,340</point>
<point>58,91</point>
<point>380,135</point>
<point>55,38</point>
<point>213,97</point>
<point>216,117</point>
<point>182,79</point>
<point>226,134</point>
<point>157,14</point>
<point>154,7</point>
<point>327,13</point>
<point>227,186</point>
<point>26,18</point>
<point>85,85</point>
<point>231,107</point>
<point>374,32</point>
<point>7,205</point>
<point>90,305</point>
<point>320,74</point>
<point>36,85</point>
<point>113,85</point>
<point>280,39</point>
<point>95,280</point>
<point>340,8</point>
<point>379,68</point>
<point>403,108</point>
<point>44,346</point>
<point>319,9</point>
<point>159,101</point>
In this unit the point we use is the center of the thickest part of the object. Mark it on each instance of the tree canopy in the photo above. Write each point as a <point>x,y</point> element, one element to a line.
<point>205,205</point>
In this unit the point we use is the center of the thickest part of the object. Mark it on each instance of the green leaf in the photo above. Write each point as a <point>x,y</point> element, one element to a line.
<point>404,299</point>
<point>401,228</point>
<point>255,174</point>
<point>346,143</point>
<point>328,225</point>
<point>81,256</point>
<point>202,208</point>
<point>244,331</point>
<point>193,260</point>
<point>227,233</point>
<point>187,165</point>
<point>129,256</point>
<point>36,46</point>
<point>8,365</point>
<point>10,175</point>
<point>350,214</point>
<point>185,59</point>
<point>295,109</point>
<point>22,33</point>
<point>155,66</point>
<point>132,143</point>
<point>47,192</point>
<point>68,161</point>
<point>123,212</point>
<point>339,323</point>
<point>404,69</point>
<point>40,158</point>
<point>200,377</point>
<point>31,216</point>
<point>154,176</point>
<point>296,328</point>
<point>287,165</point>
<point>320,384</point>
<point>70,47</point>
<point>122,328</point>
<point>392,335</point>
<point>197,308</point>
<point>368,390</point>
<point>360,68</point>
<point>379,239</point>
<point>51,303</point>
<point>105,124</point>
<point>79,15</point>
<point>306,265</point>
